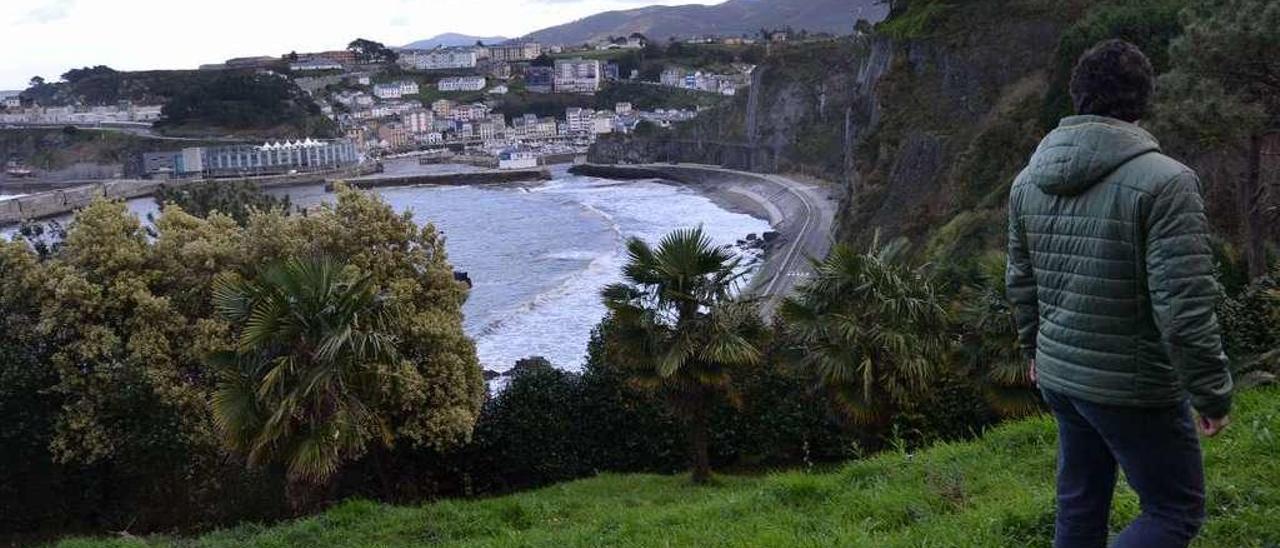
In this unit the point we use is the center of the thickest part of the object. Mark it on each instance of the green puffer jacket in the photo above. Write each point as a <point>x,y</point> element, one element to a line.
<point>1111,273</point>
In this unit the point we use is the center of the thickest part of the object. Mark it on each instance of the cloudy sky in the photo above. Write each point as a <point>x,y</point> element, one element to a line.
<point>47,37</point>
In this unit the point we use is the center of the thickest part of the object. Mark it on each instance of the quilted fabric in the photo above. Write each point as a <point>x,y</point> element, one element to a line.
<point>1111,272</point>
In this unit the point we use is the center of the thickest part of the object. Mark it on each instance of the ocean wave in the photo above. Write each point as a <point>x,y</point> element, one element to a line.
<point>556,323</point>
<point>570,255</point>
<point>602,267</point>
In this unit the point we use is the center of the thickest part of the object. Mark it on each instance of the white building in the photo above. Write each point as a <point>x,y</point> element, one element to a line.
<point>278,157</point>
<point>672,77</point>
<point>419,121</point>
<point>517,159</point>
<point>489,130</point>
<point>395,90</point>
<point>467,113</point>
<point>530,127</point>
<point>13,101</point>
<point>439,59</point>
<point>579,121</point>
<point>623,109</point>
<point>578,76</point>
<point>602,123</point>
<point>442,107</point>
<point>499,90</point>
<point>462,83</point>
<point>145,113</point>
<point>394,108</point>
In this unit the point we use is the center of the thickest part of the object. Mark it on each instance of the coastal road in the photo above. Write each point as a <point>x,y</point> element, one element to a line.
<point>803,213</point>
<point>810,238</point>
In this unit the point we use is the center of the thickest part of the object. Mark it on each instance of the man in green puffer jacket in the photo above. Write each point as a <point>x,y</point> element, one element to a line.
<point>1111,276</point>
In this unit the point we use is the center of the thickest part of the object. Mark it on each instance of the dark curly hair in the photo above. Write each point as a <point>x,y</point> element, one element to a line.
<point>1114,78</point>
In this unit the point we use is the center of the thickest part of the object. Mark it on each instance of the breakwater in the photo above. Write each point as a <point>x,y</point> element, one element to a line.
<point>453,179</point>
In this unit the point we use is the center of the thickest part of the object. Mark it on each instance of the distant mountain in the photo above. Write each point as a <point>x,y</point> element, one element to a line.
<point>453,39</point>
<point>731,18</point>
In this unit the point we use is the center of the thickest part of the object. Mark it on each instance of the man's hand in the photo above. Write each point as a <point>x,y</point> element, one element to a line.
<point>1035,380</point>
<point>1211,427</point>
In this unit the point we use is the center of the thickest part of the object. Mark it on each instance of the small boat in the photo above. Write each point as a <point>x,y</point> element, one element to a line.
<point>15,168</point>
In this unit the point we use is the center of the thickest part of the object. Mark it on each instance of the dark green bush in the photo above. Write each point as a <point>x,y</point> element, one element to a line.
<point>1251,319</point>
<point>232,198</point>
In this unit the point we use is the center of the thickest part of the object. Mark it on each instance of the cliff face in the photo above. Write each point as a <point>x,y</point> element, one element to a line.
<point>806,108</point>
<point>925,123</point>
<point>923,133</point>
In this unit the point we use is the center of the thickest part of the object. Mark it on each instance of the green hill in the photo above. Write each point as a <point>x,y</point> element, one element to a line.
<point>995,491</point>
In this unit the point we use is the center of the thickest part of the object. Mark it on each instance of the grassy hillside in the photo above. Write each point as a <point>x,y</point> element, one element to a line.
<point>996,491</point>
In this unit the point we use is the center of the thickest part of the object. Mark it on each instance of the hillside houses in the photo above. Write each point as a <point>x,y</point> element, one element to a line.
<point>439,59</point>
<point>462,83</point>
<point>123,113</point>
<point>418,109</point>
<point>724,84</point>
<point>395,90</point>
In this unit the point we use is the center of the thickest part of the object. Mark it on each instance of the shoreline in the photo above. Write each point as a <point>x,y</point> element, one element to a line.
<point>803,215</point>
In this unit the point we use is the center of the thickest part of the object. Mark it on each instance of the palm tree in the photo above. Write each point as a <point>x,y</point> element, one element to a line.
<point>301,386</point>
<point>990,342</point>
<point>870,331</point>
<point>677,328</point>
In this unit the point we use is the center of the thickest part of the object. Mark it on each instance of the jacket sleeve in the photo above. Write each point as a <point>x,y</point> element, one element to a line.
<point>1183,293</point>
<point>1020,281</point>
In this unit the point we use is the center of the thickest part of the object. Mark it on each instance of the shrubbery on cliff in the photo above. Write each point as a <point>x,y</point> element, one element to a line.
<point>246,102</point>
<point>107,343</point>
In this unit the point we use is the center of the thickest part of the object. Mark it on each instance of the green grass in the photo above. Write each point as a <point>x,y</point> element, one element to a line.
<point>996,491</point>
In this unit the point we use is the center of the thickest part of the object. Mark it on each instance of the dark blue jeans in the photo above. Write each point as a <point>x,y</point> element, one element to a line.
<point>1159,451</point>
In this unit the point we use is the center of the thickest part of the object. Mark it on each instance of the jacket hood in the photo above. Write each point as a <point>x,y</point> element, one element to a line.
<point>1083,150</point>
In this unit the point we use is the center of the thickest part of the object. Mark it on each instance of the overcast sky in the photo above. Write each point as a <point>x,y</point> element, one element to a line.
<point>47,37</point>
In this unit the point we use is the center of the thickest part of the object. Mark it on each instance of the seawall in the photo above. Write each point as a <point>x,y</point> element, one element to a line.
<point>451,179</point>
<point>63,200</point>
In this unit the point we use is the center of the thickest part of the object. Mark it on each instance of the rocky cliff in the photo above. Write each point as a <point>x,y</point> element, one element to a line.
<point>915,128</point>
<point>925,121</point>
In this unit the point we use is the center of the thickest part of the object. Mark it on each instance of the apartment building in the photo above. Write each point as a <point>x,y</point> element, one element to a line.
<point>578,76</point>
<point>439,59</point>
<point>511,53</point>
<point>419,121</point>
<point>462,83</point>
<point>395,90</point>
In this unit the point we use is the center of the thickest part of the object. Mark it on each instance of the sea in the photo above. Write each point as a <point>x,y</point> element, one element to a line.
<point>538,255</point>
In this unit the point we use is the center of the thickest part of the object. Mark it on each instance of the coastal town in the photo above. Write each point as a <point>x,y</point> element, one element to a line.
<point>439,102</point>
